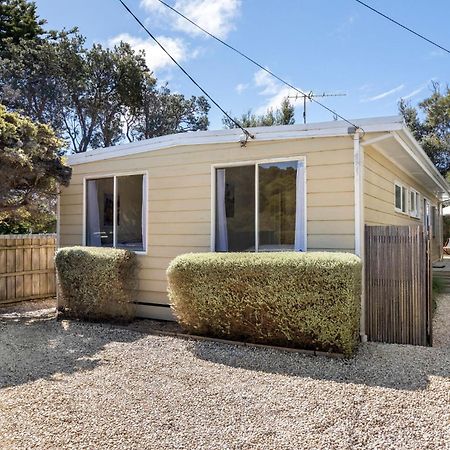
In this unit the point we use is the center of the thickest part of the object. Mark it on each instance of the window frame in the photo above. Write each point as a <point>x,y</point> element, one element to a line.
<point>255,163</point>
<point>402,187</point>
<point>416,212</point>
<point>114,176</point>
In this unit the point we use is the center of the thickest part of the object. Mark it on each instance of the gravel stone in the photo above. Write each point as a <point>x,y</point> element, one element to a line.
<point>74,385</point>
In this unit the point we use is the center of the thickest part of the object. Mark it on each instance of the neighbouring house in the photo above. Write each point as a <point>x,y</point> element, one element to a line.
<point>296,187</point>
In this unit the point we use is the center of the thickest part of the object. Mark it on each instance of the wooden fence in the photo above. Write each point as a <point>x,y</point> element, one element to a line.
<point>27,268</point>
<point>398,285</point>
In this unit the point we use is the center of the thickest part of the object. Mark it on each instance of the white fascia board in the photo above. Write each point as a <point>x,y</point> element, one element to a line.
<point>418,153</point>
<point>323,129</point>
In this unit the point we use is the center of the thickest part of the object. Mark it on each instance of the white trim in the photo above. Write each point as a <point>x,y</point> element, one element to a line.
<point>254,163</point>
<point>83,235</point>
<point>114,175</point>
<point>418,153</point>
<point>212,237</point>
<point>257,207</point>
<point>358,165</point>
<point>271,133</point>
<point>402,187</point>
<point>115,212</point>
<point>358,190</point>
<point>58,219</point>
<point>415,214</point>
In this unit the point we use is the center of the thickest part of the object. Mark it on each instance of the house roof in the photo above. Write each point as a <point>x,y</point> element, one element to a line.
<point>395,142</point>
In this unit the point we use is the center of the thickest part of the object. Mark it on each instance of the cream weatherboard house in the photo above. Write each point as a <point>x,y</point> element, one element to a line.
<point>296,187</point>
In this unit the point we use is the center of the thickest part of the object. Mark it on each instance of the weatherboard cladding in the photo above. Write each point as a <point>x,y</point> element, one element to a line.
<point>179,191</point>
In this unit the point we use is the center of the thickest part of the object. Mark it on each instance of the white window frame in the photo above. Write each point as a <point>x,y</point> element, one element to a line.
<point>114,176</point>
<point>255,163</point>
<point>414,212</point>
<point>406,207</point>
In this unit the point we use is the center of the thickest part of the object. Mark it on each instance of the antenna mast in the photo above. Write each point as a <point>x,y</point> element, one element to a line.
<point>309,96</point>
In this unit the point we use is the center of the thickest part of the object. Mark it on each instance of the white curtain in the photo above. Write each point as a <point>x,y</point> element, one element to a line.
<point>299,243</point>
<point>221,218</point>
<point>93,216</point>
<point>144,207</point>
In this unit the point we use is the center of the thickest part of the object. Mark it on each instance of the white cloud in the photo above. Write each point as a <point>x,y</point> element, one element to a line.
<point>272,89</point>
<point>413,93</point>
<point>156,59</point>
<point>241,87</point>
<point>266,82</point>
<point>385,94</point>
<point>216,16</point>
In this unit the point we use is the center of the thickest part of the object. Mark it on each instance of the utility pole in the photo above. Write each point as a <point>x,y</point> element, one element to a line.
<point>309,96</point>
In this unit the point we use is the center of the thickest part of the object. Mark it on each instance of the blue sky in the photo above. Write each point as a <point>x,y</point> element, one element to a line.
<point>334,46</point>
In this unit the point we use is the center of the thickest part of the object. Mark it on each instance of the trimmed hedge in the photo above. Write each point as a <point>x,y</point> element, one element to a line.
<point>305,300</point>
<point>96,283</point>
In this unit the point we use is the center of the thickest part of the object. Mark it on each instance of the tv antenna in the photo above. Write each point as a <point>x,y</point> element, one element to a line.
<point>309,96</point>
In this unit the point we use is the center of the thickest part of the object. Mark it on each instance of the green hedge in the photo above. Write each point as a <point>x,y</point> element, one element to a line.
<point>96,283</point>
<point>306,300</point>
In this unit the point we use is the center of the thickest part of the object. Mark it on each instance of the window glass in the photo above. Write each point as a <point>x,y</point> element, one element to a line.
<point>99,212</point>
<point>235,209</point>
<point>412,199</point>
<point>277,205</point>
<point>280,211</point>
<point>398,197</point>
<point>404,199</point>
<point>101,202</point>
<point>129,213</point>
<point>434,221</point>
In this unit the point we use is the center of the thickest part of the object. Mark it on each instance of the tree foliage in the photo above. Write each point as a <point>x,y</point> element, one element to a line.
<point>92,97</point>
<point>31,168</point>
<point>284,115</point>
<point>18,21</point>
<point>430,125</point>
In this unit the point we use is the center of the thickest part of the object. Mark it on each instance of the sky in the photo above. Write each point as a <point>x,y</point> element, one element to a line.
<point>323,46</point>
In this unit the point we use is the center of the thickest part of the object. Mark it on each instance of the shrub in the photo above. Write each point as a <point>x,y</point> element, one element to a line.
<point>307,300</point>
<point>96,283</point>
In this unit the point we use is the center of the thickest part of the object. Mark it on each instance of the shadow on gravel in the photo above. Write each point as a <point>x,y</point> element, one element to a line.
<point>41,347</point>
<point>391,366</point>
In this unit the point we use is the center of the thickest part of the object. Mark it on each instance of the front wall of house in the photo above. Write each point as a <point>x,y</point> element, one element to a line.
<point>179,200</point>
<point>380,175</point>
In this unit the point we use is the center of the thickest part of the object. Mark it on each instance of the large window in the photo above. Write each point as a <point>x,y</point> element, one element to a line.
<point>260,207</point>
<point>115,212</point>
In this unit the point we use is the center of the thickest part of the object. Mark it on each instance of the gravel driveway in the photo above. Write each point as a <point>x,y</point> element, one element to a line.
<point>77,385</point>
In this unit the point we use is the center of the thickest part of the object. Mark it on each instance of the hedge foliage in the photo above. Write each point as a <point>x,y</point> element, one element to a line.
<point>96,283</point>
<point>305,300</point>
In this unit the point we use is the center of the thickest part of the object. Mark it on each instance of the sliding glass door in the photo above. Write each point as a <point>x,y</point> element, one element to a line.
<point>260,207</point>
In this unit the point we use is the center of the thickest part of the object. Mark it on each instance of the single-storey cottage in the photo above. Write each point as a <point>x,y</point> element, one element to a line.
<point>295,187</point>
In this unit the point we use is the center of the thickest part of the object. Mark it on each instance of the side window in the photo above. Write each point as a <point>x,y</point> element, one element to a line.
<point>401,198</point>
<point>115,212</point>
<point>434,221</point>
<point>414,202</point>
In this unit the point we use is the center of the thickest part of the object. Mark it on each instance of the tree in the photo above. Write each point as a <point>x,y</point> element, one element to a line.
<point>284,115</point>
<point>94,97</point>
<point>18,21</point>
<point>165,113</point>
<point>31,169</point>
<point>433,130</point>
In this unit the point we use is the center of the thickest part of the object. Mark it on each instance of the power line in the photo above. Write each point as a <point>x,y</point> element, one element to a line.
<point>402,26</point>
<point>257,64</point>
<point>247,134</point>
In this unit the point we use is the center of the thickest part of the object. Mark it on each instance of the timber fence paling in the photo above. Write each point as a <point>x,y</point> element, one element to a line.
<point>397,285</point>
<point>27,268</point>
